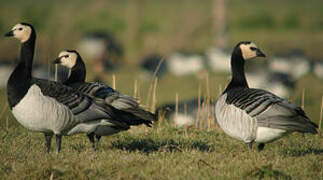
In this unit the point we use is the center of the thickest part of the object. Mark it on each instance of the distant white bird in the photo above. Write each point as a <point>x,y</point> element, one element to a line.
<point>181,64</point>
<point>102,48</point>
<point>255,115</point>
<point>188,111</point>
<point>295,65</point>
<point>218,60</point>
<point>318,69</point>
<point>150,63</point>
<point>277,83</point>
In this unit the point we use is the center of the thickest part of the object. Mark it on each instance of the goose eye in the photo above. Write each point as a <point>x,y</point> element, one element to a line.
<point>20,29</point>
<point>253,48</point>
<point>66,56</point>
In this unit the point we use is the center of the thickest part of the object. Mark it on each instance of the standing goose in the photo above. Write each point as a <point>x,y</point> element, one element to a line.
<point>255,115</point>
<point>126,104</point>
<point>46,106</point>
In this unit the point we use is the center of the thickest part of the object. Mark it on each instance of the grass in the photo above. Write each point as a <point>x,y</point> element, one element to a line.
<point>164,152</point>
<point>160,153</point>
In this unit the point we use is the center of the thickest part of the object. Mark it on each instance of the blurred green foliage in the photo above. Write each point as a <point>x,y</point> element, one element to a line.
<point>164,26</point>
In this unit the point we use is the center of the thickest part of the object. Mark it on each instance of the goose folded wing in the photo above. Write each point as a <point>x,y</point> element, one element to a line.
<point>111,96</point>
<point>284,115</point>
<point>274,112</point>
<point>107,95</point>
<point>82,106</point>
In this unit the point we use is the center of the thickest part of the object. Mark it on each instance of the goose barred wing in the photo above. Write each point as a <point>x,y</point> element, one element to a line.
<point>111,96</point>
<point>94,89</point>
<point>115,99</point>
<point>270,110</point>
<point>80,105</point>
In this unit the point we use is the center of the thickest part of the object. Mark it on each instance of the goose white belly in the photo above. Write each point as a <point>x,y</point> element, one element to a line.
<point>41,113</point>
<point>234,121</point>
<point>265,134</point>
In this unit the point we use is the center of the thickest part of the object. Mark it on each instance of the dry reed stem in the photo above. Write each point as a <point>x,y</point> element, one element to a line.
<point>160,118</point>
<point>152,81</point>
<point>203,115</point>
<point>198,106</point>
<point>153,103</point>
<point>51,177</point>
<point>7,123</point>
<point>56,72</point>
<point>303,98</point>
<point>176,106</point>
<point>321,114</point>
<point>135,89</point>
<point>113,81</point>
<point>4,110</point>
<point>208,101</point>
<point>48,68</point>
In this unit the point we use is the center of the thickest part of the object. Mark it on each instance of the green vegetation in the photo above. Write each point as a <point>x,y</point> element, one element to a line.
<point>159,153</point>
<point>164,26</point>
<point>164,152</point>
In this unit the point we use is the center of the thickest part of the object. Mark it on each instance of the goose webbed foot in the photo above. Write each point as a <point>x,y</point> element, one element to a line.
<point>261,146</point>
<point>92,140</point>
<point>58,142</point>
<point>48,138</point>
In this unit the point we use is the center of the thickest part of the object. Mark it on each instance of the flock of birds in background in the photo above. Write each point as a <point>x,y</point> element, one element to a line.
<point>76,106</point>
<point>279,75</point>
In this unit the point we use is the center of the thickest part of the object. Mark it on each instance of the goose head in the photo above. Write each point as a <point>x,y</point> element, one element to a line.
<point>248,50</point>
<point>67,58</point>
<point>22,31</point>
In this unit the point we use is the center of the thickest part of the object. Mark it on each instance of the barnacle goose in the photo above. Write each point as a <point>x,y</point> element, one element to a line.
<point>126,104</point>
<point>46,106</point>
<point>255,115</point>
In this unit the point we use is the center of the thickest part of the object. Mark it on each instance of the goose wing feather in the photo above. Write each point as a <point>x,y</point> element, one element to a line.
<point>270,110</point>
<point>82,106</point>
<point>114,98</point>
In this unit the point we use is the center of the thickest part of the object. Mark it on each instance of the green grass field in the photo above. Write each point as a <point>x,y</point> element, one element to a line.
<point>159,153</point>
<point>163,152</point>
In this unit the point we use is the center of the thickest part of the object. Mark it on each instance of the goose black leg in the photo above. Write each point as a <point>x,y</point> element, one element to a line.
<point>261,146</point>
<point>48,138</point>
<point>58,142</point>
<point>98,138</point>
<point>91,138</point>
<point>250,145</point>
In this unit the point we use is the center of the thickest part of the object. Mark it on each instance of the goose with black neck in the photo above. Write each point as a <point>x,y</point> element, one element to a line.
<point>127,105</point>
<point>46,106</point>
<point>255,115</point>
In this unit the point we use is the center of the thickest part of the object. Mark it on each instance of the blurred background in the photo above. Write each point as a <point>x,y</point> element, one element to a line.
<point>190,41</point>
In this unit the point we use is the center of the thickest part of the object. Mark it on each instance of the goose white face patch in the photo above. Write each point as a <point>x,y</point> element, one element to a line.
<point>247,51</point>
<point>68,59</point>
<point>22,32</point>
